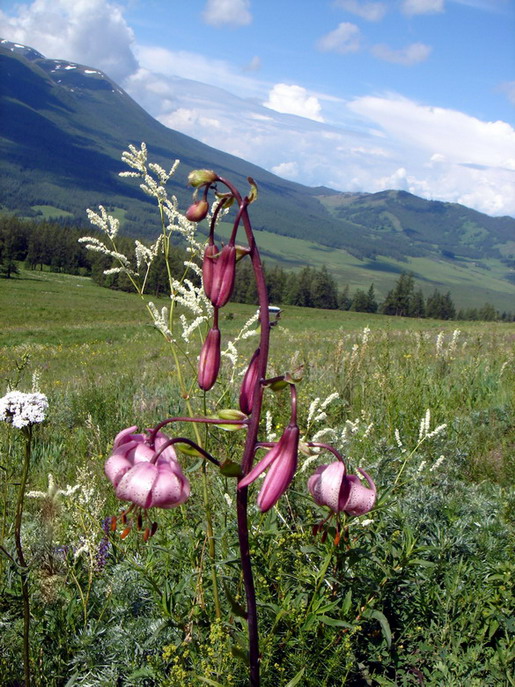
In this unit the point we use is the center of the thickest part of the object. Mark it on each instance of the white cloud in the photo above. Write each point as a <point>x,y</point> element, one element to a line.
<point>422,6</point>
<point>91,32</point>
<point>408,56</point>
<point>344,39</point>
<point>445,154</point>
<point>189,65</point>
<point>292,99</point>
<point>286,170</point>
<point>227,12</point>
<point>371,11</point>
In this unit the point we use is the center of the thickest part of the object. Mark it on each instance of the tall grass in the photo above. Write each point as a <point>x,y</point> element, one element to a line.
<point>419,593</point>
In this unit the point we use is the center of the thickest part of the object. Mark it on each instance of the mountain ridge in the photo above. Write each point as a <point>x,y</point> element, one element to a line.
<point>64,126</point>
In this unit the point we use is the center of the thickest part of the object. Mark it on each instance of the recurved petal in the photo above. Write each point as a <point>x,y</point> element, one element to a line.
<point>359,499</point>
<point>136,485</point>
<point>124,436</point>
<point>171,487</point>
<point>116,466</point>
<point>327,489</point>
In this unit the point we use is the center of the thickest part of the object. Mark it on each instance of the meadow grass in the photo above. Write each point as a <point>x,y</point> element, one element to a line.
<point>418,593</point>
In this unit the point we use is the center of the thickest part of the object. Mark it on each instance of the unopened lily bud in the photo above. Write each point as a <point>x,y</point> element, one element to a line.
<point>201,177</point>
<point>209,362</point>
<point>208,268</point>
<point>197,211</point>
<point>223,277</point>
<point>249,384</point>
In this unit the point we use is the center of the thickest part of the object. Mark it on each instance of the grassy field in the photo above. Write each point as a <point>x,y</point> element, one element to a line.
<point>418,592</point>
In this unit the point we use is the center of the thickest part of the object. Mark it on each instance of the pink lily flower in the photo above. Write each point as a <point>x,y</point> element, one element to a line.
<point>330,486</point>
<point>282,461</point>
<point>138,476</point>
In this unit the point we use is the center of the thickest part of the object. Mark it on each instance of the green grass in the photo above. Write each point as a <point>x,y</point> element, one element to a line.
<point>424,592</point>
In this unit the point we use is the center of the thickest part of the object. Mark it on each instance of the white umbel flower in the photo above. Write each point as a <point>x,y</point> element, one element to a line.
<point>21,409</point>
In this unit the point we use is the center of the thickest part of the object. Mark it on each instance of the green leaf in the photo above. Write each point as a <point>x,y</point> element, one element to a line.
<point>208,681</point>
<point>236,608</point>
<point>230,469</point>
<point>347,602</point>
<point>385,625</point>
<point>334,622</point>
<point>296,679</point>
<point>187,449</point>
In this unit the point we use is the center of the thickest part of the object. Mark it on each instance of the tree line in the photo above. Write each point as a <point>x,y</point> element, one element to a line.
<point>54,245</point>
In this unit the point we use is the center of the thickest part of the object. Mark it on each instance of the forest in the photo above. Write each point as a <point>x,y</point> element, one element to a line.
<point>54,245</point>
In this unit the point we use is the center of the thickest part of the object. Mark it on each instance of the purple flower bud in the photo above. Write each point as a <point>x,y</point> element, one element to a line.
<point>223,276</point>
<point>249,384</point>
<point>208,268</point>
<point>282,461</point>
<point>209,362</point>
<point>197,211</point>
<point>330,486</point>
<point>141,478</point>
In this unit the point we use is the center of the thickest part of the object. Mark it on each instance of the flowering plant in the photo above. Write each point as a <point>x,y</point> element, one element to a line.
<point>143,467</point>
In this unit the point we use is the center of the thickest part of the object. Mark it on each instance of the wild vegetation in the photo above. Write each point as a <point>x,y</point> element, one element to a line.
<point>418,591</point>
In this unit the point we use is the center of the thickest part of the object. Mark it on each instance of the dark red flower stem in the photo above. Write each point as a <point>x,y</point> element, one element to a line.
<point>250,444</point>
<point>316,444</point>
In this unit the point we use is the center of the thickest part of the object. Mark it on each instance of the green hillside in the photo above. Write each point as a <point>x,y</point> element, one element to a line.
<point>63,128</point>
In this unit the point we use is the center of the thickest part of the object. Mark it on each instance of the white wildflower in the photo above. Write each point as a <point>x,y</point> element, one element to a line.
<point>398,438</point>
<point>436,431</point>
<point>189,327</point>
<point>439,343</point>
<point>437,464</point>
<point>53,492</point>
<point>161,320</point>
<point>270,435</point>
<point>332,397</point>
<point>106,223</point>
<point>231,353</point>
<point>366,523</point>
<point>421,466</point>
<point>21,409</point>
<point>36,376</point>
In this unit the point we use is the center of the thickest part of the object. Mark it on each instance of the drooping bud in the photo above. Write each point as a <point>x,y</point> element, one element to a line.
<point>201,177</point>
<point>249,384</point>
<point>209,362</point>
<point>208,268</point>
<point>197,211</point>
<point>223,277</point>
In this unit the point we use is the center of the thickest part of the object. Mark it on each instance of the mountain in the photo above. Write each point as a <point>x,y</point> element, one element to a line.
<point>63,127</point>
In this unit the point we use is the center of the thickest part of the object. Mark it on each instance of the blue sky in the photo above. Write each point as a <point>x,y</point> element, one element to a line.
<point>359,95</point>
